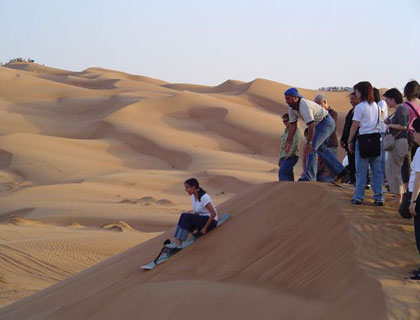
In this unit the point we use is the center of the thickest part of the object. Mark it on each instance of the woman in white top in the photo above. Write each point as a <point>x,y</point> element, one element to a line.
<point>204,216</point>
<point>366,118</point>
<point>414,188</point>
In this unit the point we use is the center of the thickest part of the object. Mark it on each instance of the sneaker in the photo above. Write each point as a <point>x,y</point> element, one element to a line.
<point>378,203</point>
<point>173,245</point>
<point>416,272</point>
<point>354,201</point>
<point>415,277</point>
<point>341,175</point>
<point>302,179</point>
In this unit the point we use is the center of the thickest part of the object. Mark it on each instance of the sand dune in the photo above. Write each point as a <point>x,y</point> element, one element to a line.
<point>83,154</point>
<point>35,255</point>
<point>292,263</point>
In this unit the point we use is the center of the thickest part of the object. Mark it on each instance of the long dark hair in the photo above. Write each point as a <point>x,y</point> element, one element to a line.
<point>366,91</point>
<point>193,182</point>
<point>416,125</point>
<point>376,95</point>
<point>395,94</point>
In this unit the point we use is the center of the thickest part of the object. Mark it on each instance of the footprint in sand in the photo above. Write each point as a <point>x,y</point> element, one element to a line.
<point>75,225</point>
<point>19,221</point>
<point>120,226</point>
<point>148,200</point>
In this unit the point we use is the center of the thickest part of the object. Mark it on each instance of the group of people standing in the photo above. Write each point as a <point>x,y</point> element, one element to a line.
<point>321,146</point>
<point>372,139</point>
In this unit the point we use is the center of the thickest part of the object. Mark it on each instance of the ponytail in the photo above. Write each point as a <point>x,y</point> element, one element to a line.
<point>201,192</point>
<point>192,182</point>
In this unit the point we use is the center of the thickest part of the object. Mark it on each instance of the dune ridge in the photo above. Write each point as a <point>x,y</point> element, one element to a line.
<point>264,261</point>
<point>86,149</point>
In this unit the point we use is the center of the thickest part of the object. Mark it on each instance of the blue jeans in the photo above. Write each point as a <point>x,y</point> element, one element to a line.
<point>323,131</point>
<point>383,154</point>
<point>362,165</point>
<point>286,168</point>
<point>188,222</point>
<point>416,221</point>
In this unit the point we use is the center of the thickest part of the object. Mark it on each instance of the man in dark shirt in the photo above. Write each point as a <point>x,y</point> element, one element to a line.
<point>332,141</point>
<point>344,137</point>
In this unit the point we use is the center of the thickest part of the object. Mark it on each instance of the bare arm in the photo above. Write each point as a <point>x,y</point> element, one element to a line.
<point>311,132</point>
<point>304,153</point>
<point>397,127</point>
<point>310,138</point>
<point>210,207</point>
<point>290,136</point>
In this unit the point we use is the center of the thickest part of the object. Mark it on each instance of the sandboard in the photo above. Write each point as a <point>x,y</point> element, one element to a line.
<point>166,253</point>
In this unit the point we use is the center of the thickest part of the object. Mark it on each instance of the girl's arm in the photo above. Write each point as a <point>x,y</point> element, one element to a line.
<point>304,154</point>
<point>397,127</point>
<point>210,207</point>
<point>415,194</point>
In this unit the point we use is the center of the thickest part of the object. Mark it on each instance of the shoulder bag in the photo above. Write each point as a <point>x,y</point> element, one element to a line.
<point>370,144</point>
<point>411,141</point>
<point>405,204</point>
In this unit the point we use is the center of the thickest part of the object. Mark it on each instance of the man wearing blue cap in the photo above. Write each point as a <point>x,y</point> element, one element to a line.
<point>320,126</point>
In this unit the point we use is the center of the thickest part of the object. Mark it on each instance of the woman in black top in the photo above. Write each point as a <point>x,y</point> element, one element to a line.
<point>398,127</point>
<point>344,137</point>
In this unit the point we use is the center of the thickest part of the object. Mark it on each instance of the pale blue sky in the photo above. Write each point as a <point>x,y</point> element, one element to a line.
<point>299,42</point>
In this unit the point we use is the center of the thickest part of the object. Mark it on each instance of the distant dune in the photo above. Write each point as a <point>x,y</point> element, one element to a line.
<point>85,154</point>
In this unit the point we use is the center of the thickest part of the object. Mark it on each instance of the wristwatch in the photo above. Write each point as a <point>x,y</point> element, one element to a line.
<point>310,143</point>
<point>413,201</point>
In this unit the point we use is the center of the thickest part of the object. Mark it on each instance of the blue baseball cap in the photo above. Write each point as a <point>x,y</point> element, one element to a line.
<point>293,92</point>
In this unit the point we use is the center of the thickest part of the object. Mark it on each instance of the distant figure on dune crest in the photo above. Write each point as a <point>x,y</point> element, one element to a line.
<point>320,127</point>
<point>204,216</point>
<point>288,160</point>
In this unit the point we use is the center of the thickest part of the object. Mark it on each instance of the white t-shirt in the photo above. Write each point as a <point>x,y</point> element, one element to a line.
<point>367,115</point>
<point>309,111</point>
<point>384,114</point>
<point>199,207</point>
<point>415,167</point>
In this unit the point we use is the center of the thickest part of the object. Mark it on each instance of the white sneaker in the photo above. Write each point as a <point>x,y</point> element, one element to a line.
<point>173,245</point>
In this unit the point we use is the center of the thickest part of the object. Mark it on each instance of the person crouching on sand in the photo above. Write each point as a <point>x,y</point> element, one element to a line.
<point>320,127</point>
<point>203,219</point>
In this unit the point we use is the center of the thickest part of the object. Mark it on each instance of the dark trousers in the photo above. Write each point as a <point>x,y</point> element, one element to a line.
<point>351,167</point>
<point>416,221</point>
<point>406,167</point>
<point>191,221</point>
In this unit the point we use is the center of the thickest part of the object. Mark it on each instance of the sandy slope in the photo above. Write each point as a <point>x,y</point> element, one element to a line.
<point>274,258</point>
<point>85,155</point>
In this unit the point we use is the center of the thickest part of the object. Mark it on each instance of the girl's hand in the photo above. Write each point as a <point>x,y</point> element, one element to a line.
<point>287,148</point>
<point>203,231</point>
<point>412,209</point>
<point>350,147</point>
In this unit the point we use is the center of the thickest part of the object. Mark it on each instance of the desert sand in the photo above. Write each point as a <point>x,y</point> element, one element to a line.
<point>92,166</point>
